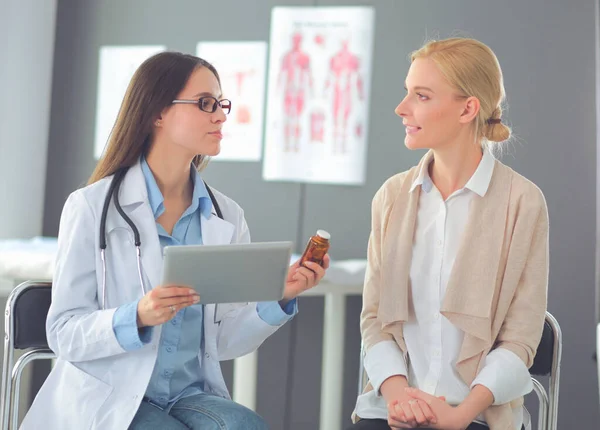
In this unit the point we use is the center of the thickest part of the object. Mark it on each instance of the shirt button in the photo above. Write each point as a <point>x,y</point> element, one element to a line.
<point>436,315</point>
<point>440,242</point>
<point>135,397</point>
<point>207,355</point>
<point>436,352</point>
<point>169,349</point>
<point>173,322</point>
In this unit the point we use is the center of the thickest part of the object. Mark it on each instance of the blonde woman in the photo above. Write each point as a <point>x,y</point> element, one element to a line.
<point>455,292</point>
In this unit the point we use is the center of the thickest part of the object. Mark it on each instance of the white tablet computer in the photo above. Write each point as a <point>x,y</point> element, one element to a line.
<point>236,273</point>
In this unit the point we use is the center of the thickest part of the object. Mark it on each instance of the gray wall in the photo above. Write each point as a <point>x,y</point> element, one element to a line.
<point>546,49</point>
<point>27,31</point>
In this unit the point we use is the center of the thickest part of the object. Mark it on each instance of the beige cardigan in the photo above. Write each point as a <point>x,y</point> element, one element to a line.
<point>497,289</point>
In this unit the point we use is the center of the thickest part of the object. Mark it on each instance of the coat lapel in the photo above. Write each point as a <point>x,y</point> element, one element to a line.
<point>216,231</point>
<point>397,255</point>
<point>472,284</point>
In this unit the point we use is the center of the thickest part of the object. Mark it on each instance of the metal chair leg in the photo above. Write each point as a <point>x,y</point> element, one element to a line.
<point>543,400</point>
<point>362,376</point>
<point>18,372</point>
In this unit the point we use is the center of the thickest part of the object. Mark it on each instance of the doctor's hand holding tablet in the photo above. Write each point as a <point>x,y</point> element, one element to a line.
<point>162,303</point>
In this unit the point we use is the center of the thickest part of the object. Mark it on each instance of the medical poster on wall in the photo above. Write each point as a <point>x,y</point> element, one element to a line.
<point>117,64</point>
<point>318,94</point>
<point>242,69</point>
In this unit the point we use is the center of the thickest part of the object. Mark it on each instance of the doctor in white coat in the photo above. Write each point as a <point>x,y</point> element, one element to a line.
<point>133,354</point>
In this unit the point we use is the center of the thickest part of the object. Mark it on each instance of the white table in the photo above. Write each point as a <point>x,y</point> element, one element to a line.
<point>34,260</point>
<point>27,259</point>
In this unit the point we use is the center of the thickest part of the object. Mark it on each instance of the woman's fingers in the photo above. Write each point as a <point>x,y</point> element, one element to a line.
<point>318,270</point>
<point>305,275</point>
<point>408,413</point>
<point>396,418</point>
<point>419,413</point>
<point>428,412</point>
<point>163,302</point>
<point>393,413</point>
<point>165,291</point>
<point>176,301</point>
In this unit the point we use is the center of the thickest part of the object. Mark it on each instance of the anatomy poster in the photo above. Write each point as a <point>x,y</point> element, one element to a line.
<point>318,94</point>
<point>116,68</point>
<point>242,69</point>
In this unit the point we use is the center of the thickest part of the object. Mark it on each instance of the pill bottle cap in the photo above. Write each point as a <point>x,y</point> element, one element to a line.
<point>323,234</point>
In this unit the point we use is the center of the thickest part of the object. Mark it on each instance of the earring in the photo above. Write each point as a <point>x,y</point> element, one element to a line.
<point>157,123</point>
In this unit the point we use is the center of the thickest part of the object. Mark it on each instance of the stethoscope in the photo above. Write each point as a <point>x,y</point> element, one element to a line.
<point>113,192</point>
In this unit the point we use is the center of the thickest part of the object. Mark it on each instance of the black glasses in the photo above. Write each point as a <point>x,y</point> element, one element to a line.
<point>208,104</point>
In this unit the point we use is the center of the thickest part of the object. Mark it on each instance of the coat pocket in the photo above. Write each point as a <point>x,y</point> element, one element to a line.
<point>69,399</point>
<point>227,310</point>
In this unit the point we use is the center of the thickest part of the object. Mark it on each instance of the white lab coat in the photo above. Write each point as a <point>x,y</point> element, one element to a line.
<point>95,384</point>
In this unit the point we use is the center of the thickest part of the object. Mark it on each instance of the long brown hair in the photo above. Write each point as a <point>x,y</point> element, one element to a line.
<point>155,84</point>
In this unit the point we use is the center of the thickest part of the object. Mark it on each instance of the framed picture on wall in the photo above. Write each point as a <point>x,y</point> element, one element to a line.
<point>242,70</point>
<point>318,94</point>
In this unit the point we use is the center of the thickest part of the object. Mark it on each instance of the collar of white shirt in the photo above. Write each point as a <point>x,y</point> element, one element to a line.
<point>478,183</point>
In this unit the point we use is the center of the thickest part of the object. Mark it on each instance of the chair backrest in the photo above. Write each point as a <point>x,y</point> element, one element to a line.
<point>29,310</point>
<point>542,363</point>
<point>547,363</point>
<point>25,328</point>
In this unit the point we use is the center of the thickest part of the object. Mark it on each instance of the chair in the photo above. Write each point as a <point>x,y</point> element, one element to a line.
<point>25,329</point>
<point>546,363</point>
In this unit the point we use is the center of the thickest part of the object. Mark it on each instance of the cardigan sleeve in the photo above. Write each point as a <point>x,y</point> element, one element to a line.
<point>522,328</point>
<point>383,356</point>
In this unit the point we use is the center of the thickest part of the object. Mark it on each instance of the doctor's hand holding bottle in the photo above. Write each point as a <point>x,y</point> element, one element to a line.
<point>307,272</point>
<point>302,278</point>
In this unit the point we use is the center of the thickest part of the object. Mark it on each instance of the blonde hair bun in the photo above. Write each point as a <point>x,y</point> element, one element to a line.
<point>497,132</point>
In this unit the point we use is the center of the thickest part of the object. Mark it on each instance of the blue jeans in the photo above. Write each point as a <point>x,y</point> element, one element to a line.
<point>200,412</point>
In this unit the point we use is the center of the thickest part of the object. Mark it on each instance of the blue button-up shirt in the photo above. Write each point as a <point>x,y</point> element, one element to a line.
<point>177,369</point>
